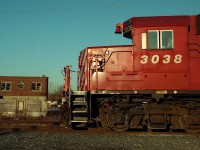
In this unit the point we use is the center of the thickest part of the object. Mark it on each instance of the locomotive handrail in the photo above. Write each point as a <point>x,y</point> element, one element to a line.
<point>113,52</point>
<point>194,49</point>
<point>194,44</point>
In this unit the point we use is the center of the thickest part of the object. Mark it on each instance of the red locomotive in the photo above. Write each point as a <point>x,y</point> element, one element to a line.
<point>152,84</point>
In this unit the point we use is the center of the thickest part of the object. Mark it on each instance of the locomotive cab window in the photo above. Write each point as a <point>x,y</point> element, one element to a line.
<point>153,37</point>
<point>166,39</point>
<point>158,39</point>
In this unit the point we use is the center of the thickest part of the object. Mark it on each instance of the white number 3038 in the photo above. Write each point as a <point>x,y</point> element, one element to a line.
<point>156,58</point>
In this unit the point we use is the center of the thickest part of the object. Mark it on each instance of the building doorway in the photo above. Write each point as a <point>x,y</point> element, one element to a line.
<point>20,108</point>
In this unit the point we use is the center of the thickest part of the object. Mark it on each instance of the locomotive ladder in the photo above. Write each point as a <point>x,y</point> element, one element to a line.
<point>79,107</point>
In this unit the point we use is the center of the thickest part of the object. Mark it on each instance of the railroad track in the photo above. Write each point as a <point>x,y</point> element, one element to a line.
<point>52,126</point>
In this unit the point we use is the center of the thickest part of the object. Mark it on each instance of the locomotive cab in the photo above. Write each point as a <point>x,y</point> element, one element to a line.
<point>164,50</point>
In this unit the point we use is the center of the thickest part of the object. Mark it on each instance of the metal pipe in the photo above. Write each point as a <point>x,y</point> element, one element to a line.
<point>96,72</point>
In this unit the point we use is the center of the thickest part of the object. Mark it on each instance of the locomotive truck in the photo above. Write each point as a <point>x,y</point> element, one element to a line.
<point>154,83</point>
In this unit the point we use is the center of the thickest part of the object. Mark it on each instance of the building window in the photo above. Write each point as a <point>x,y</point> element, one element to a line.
<point>160,39</point>
<point>21,85</point>
<point>36,86</point>
<point>5,86</point>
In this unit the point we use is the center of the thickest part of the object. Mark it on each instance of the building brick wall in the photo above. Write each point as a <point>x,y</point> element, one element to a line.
<point>26,91</point>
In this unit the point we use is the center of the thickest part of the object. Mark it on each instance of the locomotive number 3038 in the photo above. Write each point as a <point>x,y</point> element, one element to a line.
<point>165,59</point>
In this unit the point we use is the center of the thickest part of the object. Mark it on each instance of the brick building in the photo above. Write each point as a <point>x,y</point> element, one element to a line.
<point>23,96</point>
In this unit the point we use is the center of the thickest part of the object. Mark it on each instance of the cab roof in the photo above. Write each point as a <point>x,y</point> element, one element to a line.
<point>159,21</point>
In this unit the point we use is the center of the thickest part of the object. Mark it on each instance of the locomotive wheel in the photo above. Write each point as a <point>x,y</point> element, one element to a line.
<point>110,120</point>
<point>120,128</point>
<point>118,122</point>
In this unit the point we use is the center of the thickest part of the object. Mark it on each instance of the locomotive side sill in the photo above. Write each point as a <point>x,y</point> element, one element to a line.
<point>173,92</point>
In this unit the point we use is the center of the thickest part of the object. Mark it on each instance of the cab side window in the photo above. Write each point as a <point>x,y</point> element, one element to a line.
<point>158,39</point>
<point>166,41</point>
<point>153,40</point>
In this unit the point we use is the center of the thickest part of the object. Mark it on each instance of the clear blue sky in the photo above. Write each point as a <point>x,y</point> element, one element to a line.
<point>42,36</point>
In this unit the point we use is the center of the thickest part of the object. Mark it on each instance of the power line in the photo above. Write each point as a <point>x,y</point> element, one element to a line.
<point>108,6</point>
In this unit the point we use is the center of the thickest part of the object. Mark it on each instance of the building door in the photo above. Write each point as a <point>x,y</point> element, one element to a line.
<point>20,108</point>
<point>20,105</point>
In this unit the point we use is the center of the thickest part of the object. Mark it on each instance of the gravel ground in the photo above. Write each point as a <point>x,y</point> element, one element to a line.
<point>70,141</point>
